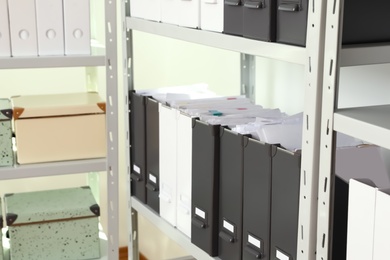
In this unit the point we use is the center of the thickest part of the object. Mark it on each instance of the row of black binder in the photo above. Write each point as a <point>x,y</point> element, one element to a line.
<point>285,21</point>
<point>244,192</point>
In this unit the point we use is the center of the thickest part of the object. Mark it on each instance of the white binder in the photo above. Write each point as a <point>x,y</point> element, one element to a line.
<point>77,27</point>
<point>361,219</point>
<point>5,44</point>
<point>23,29</point>
<point>184,173</point>
<point>168,164</point>
<point>382,225</point>
<point>211,15</point>
<point>50,27</point>
<point>169,11</point>
<point>189,13</point>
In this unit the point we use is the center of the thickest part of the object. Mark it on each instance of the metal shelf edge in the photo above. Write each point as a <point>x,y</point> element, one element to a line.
<point>365,54</point>
<point>52,62</point>
<point>272,50</point>
<point>52,169</point>
<point>366,123</point>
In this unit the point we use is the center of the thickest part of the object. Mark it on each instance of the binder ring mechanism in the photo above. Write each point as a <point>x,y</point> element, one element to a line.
<point>290,7</point>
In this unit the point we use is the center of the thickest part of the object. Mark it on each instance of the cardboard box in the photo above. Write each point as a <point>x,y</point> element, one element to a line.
<point>53,224</point>
<point>6,152</point>
<point>59,127</point>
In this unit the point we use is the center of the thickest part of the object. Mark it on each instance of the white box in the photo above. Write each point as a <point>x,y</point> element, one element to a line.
<point>168,162</point>
<point>23,29</point>
<point>382,225</point>
<point>169,11</point>
<point>184,173</point>
<point>77,27</point>
<point>5,44</point>
<point>50,27</point>
<point>152,10</point>
<point>361,219</point>
<point>189,13</point>
<point>211,15</point>
<point>137,8</point>
<point>59,127</point>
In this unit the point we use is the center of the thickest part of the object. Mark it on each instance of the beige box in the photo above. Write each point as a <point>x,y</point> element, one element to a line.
<point>59,127</point>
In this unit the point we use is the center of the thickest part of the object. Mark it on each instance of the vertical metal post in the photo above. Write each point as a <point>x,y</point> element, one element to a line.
<point>112,128</point>
<point>128,79</point>
<point>334,20</point>
<point>307,226</point>
<point>248,78</point>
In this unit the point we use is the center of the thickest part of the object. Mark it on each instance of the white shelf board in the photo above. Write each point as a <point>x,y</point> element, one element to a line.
<point>170,231</point>
<point>365,54</point>
<point>288,53</point>
<point>371,124</point>
<point>97,58</point>
<point>52,169</point>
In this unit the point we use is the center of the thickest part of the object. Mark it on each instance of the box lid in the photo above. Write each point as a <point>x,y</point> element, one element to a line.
<point>5,109</point>
<point>50,205</point>
<point>57,105</point>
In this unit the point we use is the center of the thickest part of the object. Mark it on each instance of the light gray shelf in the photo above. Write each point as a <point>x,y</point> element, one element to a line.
<point>52,169</point>
<point>97,58</point>
<point>365,54</point>
<point>276,51</point>
<point>170,231</point>
<point>371,124</point>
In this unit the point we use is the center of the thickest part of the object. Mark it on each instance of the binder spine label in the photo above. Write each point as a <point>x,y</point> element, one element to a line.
<point>254,241</point>
<point>228,226</point>
<point>200,213</point>
<point>281,256</point>
<point>136,169</point>
<point>152,178</point>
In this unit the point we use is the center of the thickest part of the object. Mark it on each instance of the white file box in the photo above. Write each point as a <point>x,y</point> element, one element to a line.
<point>184,172</point>
<point>50,27</point>
<point>77,27</point>
<point>5,44</point>
<point>189,13</point>
<point>382,225</point>
<point>152,10</point>
<point>23,29</point>
<point>168,167</point>
<point>211,15</point>
<point>361,219</point>
<point>169,11</point>
<point>137,8</point>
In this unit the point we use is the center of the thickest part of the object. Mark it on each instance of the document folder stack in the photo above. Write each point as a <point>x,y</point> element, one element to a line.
<point>144,136</point>
<point>138,146</point>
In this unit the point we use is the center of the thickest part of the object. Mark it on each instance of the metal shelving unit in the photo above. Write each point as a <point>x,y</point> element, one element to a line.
<point>369,123</point>
<point>100,57</point>
<point>322,58</point>
<point>311,57</point>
